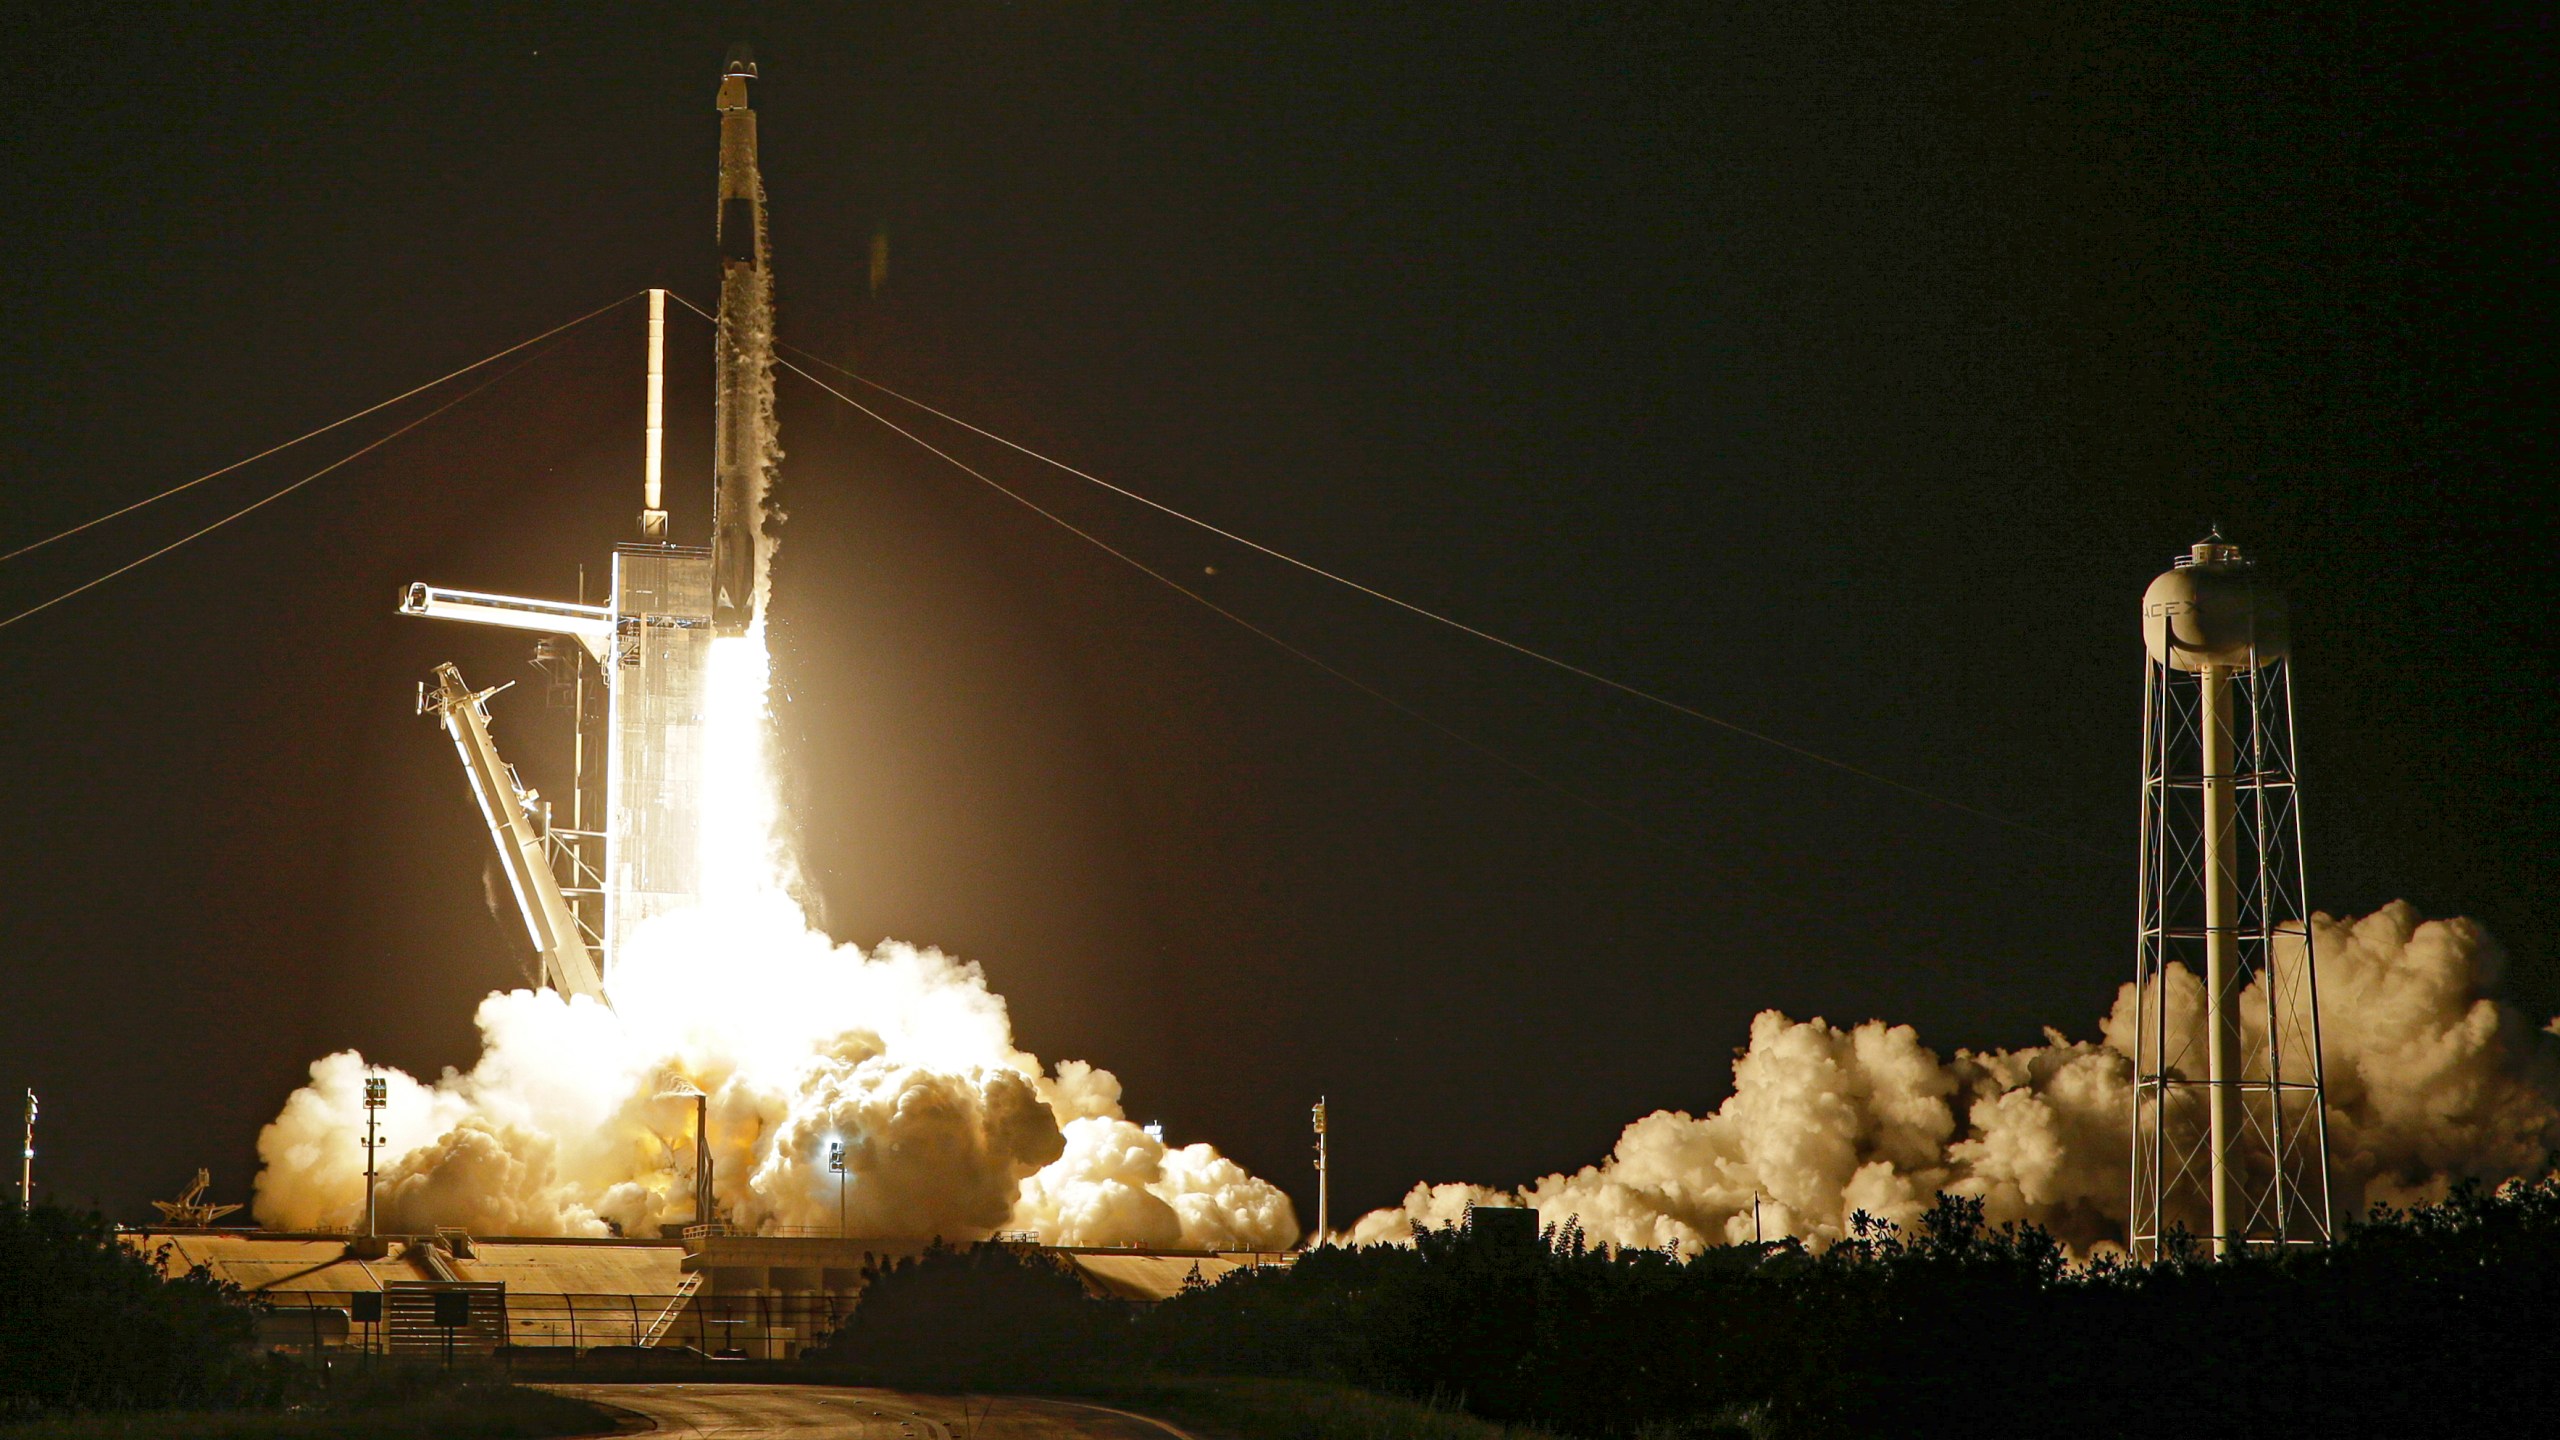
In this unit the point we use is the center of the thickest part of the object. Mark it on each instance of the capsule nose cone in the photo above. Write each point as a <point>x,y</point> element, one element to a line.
<point>742,62</point>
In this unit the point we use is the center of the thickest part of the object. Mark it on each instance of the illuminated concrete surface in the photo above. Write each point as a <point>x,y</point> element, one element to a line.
<point>830,1412</point>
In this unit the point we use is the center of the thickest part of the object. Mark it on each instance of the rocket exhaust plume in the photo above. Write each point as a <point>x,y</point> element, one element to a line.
<point>2431,1081</point>
<point>899,1053</point>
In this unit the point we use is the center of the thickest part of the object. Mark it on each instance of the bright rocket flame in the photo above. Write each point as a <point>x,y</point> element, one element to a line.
<point>901,1054</point>
<point>738,842</point>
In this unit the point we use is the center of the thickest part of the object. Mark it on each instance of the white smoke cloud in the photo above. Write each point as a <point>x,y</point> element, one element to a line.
<point>2430,1080</point>
<point>900,1054</point>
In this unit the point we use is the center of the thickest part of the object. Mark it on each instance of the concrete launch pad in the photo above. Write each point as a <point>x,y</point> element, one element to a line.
<point>766,1297</point>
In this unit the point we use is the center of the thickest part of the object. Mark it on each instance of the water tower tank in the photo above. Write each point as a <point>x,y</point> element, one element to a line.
<point>2210,609</point>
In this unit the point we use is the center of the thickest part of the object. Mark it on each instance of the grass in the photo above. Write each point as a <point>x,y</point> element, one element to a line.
<point>470,1410</point>
<point>1239,1409</point>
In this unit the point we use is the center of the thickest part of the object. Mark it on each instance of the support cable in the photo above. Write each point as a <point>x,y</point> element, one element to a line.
<point>313,434</point>
<point>1168,581</point>
<point>275,495</point>
<point>1515,647</point>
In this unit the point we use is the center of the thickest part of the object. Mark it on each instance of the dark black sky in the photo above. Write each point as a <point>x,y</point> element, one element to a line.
<point>1841,376</point>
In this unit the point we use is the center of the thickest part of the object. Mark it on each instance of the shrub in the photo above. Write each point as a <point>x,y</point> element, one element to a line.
<point>85,1324</point>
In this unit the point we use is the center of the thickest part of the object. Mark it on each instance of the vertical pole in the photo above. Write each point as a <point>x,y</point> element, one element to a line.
<point>702,1193</point>
<point>653,516</point>
<point>374,1091</point>
<point>2221,901</point>
<point>27,1160</point>
<point>2141,961</point>
<point>1324,1176</point>
<point>578,734</point>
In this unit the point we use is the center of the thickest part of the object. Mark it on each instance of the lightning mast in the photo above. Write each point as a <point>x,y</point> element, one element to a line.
<point>2230,1132</point>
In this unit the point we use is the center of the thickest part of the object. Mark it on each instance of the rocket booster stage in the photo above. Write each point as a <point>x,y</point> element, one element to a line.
<point>743,444</point>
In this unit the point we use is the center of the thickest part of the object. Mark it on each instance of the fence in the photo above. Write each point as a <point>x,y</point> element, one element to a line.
<point>403,1320</point>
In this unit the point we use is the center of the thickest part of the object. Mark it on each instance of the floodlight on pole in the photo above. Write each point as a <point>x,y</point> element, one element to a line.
<point>376,1094</point>
<point>835,1162</point>
<point>1324,1175</point>
<point>27,1160</point>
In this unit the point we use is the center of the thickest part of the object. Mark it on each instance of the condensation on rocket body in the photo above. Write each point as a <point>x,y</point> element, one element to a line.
<point>744,451</point>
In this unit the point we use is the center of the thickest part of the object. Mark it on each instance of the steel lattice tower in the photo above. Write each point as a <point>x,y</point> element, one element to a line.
<point>2230,1132</point>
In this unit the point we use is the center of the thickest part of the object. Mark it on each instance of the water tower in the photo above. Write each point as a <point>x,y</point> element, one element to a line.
<point>2230,1135</point>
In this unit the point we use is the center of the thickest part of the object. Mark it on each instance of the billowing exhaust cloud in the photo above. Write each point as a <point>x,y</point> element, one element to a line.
<point>899,1054</point>
<point>2430,1080</point>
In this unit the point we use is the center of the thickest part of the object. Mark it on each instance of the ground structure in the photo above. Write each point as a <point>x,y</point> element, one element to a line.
<point>765,1297</point>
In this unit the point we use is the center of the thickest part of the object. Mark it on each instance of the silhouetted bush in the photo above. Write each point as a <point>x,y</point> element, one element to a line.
<point>2410,1323</point>
<point>87,1324</point>
<point>989,1315</point>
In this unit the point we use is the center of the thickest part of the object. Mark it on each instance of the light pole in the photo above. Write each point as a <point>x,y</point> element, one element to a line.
<point>27,1161</point>
<point>835,1162</point>
<point>1324,1175</point>
<point>375,1093</point>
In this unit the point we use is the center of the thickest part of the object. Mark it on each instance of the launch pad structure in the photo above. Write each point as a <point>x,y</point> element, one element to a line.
<point>553,1299</point>
<point>629,847</point>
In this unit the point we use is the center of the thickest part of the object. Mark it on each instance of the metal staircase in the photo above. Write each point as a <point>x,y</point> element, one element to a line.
<point>675,1306</point>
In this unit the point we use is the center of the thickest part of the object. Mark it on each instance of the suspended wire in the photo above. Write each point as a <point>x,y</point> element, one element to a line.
<point>1168,581</point>
<point>313,434</point>
<point>276,495</point>
<point>1540,656</point>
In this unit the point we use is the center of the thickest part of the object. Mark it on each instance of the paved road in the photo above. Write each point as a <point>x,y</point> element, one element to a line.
<point>834,1412</point>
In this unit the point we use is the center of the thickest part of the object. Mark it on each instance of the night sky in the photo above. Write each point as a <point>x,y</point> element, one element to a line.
<point>1844,378</point>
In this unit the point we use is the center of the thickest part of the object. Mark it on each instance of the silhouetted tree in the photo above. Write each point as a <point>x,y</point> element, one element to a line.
<point>86,1324</point>
<point>984,1315</point>
<point>2410,1322</point>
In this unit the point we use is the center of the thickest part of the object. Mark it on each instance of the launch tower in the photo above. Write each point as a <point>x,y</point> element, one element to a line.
<point>2230,1135</point>
<point>629,847</point>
